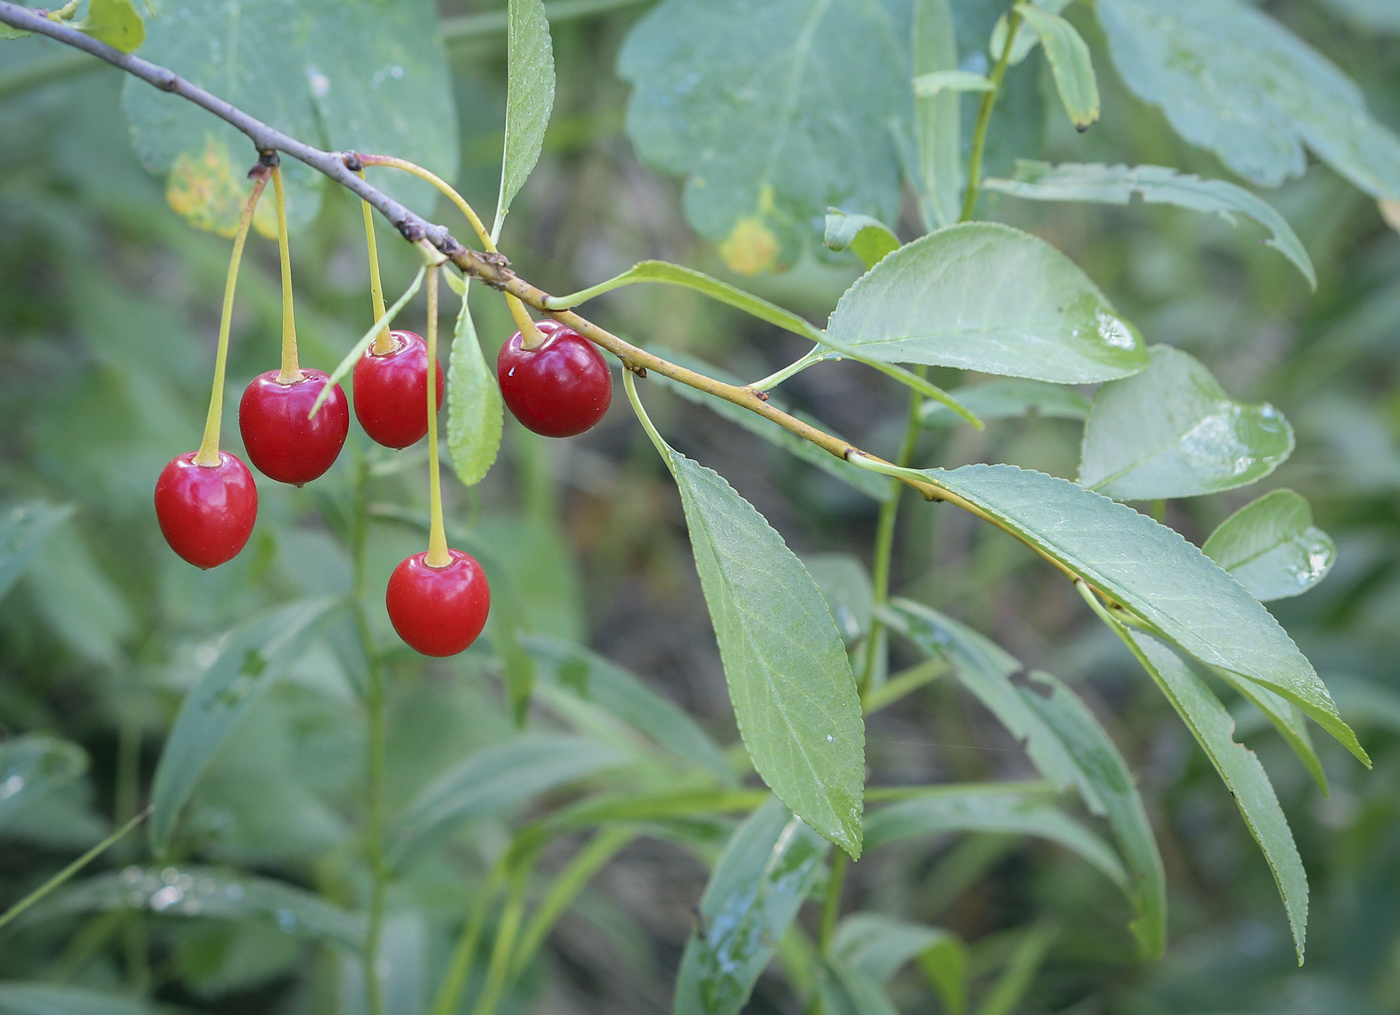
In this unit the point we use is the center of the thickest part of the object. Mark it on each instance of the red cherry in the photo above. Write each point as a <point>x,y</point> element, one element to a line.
<point>558,389</point>
<point>206,512</point>
<point>391,391</point>
<point>281,441</point>
<point>438,611</point>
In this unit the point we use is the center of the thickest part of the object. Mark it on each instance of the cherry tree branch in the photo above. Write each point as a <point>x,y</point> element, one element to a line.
<point>492,269</point>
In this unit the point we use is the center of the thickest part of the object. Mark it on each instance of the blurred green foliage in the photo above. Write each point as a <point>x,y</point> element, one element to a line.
<point>108,311</point>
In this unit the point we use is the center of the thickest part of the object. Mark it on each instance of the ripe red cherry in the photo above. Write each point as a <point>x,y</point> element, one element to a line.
<point>281,441</point>
<point>438,611</point>
<point>558,389</point>
<point>391,391</point>
<point>206,512</point>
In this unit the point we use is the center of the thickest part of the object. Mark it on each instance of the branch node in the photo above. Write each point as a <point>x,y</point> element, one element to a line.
<point>352,161</point>
<point>762,396</point>
<point>268,157</point>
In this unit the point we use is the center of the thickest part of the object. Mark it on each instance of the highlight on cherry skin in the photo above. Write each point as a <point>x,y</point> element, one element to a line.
<point>206,512</point>
<point>438,611</point>
<point>560,388</point>
<point>282,442</point>
<point>391,391</point>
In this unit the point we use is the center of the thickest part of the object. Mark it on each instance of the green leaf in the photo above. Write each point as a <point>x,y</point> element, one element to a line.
<point>879,488</point>
<point>938,117</point>
<point>760,881</point>
<point>517,665</point>
<point>340,74</point>
<point>22,528</point>
<point>1376,15</point>
<point>1286,717</point>
<point>1153,572</point>
<point>971,809</point>
<point>1212,727</point>
<point>475,412</point>
<point>867,238</point>
<point>530,98</point>
<point>208,892</point>
<point>845,585</point>
<point>1041,181</point>
<point>1095,755</point>
<point>878,946</point>
<point>251,658</point>
<point>738,98</point>
<point>1272,547</point>
<point>1008,399</point>
<point>1026,37</point>
<point>987,297</point>
<point>19,998</point>
<point>114,22</point>
<point>1231,79</point>
<point>789,676</point>
<point>594,679</point>
<point>847,991</point>
<point>1172,431</point>
<point>953,81</point>
<point>1014,983</point>
<point>1069,61</point>
<point>32,767</point>
<point>493,780</point>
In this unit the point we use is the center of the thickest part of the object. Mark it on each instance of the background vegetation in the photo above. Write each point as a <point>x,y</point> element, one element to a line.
<point>108,304</point>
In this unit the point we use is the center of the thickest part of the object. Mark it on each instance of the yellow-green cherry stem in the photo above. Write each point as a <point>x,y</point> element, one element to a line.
<point>291,369</point>
<point>208,454</point>
<point>383,342</point>
<point>438,555</point>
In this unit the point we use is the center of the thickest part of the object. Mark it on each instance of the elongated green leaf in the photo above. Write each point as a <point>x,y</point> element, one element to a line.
<point>1041,181</point>
<point>1172,431</point>
<point>957,809</point>
<point>529,100</point>
<point>665,273</point>
<point>32,767</point>
<point>953,81</point>
<point>845,585</point>
<point>114,22</point>
<point>1007,399</point>
<point>1069,61</point>
<point>765,872</point>
<point>987,297</point>
<point>1095,754</point>
<point>610,687</point>
<point>789,677</point>
<point>879,488</point>
<point>937,112</point>
<point>1014,983</point>
<point>194,891</point>
<point>738,97</point>
<point>19,998</point>
<point>342,74</point>
<point>1152,571</point>
<point>475,412</point>
<point>878,946</point>
<point>22,528</point>
<point>253,657</point>
<point>1231,79</point>
<point>985,669</point>
<point>1286,717</point>
<point>494,780</point>
<point>868,238</point>
<point>1272,547</point>
<point>1212,727</point>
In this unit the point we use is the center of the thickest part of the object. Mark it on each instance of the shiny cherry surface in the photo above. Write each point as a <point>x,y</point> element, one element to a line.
<point>438,611</point>
<point>391,391</point>
<point>206,512</point>
<point>282,443</point>
<point>558,389</point>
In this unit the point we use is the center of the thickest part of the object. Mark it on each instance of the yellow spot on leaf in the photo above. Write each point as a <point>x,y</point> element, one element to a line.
<point>1390,211</point>
<point>751,247</point>
<point>206,191</point>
